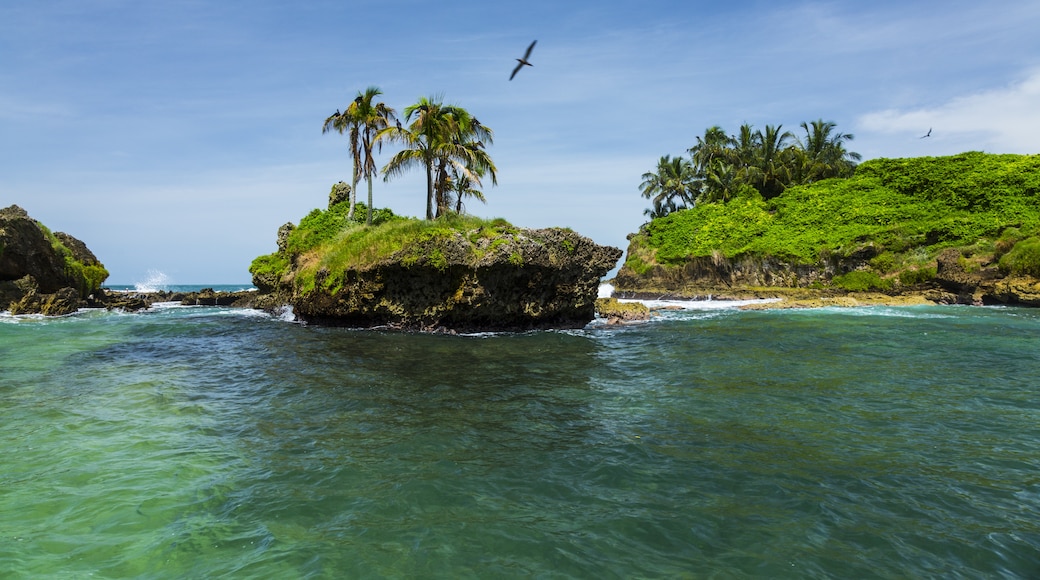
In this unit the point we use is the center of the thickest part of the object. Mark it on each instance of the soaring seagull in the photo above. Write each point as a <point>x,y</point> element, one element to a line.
<point>928,134</point>
<point>523,61</point>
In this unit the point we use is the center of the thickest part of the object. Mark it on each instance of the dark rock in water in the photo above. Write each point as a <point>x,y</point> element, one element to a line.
<point>617,312</point>
<point>209,297</point>
<point>511,281</point>
<point>64,301</point>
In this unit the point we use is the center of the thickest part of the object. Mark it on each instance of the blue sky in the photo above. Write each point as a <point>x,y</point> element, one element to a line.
<point>177,136</point>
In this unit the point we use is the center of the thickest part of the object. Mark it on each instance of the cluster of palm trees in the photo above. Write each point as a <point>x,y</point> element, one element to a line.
<point>721,167</point>
<point>446,141</point>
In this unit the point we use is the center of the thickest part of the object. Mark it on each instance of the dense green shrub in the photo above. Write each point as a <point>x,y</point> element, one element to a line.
<point>884,262</point>
<point>915,276</point>
<point>1023,259</point>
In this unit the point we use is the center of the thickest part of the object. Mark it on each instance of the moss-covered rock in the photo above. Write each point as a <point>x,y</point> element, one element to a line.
<point>617,312</point>
<point>53,262</point>
<point>462,274</point>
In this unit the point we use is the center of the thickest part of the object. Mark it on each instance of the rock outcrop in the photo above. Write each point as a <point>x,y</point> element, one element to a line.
<point>462,281</point>
<point>617,312</point>
<point>42,272</point>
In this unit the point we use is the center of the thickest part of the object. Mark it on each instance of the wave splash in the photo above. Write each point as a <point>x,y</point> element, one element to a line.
<point>155,282</point>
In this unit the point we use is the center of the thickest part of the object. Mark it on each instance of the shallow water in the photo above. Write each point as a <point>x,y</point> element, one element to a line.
<point>208,442</point>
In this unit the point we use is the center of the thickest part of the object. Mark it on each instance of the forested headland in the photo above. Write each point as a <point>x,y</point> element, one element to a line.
<point>953,224</point>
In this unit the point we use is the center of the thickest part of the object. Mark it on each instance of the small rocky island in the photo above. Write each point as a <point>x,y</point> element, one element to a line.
<point>457,274</point>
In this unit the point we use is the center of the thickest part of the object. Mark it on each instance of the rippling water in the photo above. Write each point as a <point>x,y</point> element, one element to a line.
<point>207,442</point>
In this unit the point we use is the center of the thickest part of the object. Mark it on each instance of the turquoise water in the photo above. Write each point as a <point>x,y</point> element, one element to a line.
<point>192,442</point>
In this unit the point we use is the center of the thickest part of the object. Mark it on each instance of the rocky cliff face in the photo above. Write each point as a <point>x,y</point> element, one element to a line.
<point>41,273</point>
<point>958,279</point>
<point>524,279</point>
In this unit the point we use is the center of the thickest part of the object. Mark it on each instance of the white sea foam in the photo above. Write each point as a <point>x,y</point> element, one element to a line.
<point>286,314</point>
<point>606,290</point>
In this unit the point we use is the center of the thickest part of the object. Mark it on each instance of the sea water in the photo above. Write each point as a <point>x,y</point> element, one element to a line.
<point>204,442</point>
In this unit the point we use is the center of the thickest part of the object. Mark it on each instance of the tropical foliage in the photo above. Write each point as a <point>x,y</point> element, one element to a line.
<point>330,240</point>
<point>448,143</point>
<point>670,187</point>
<point>362,120</point>
<point>723,167</point>
<point>907,210</point>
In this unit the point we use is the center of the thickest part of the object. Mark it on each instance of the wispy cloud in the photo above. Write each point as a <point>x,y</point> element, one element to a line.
<point>1003,120</point>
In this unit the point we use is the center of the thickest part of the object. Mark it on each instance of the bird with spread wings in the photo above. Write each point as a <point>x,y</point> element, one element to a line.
<point>523,61</point>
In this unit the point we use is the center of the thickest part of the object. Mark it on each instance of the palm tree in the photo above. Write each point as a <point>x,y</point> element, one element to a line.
<point>772,161</point>
<point>825,153</point>
<point>439,137</point>
<point>711,152</point>
<point>464,155</point>
<point>372,118</point>
<point>422,137</point>
<point>719,181</point>
<point>462,184</point>
<point>671,186</point>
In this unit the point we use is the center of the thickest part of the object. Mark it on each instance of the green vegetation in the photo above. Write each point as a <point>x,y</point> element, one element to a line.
<point>723,167</point>
<point>1023,259</point>
<point>328,241</point>
<point>87,277</point>
<point>448,143</point>
<point>904,210</point>
<point>319,227</point>
<point>362,121</point>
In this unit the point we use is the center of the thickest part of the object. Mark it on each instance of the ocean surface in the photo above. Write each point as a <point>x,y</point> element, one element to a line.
<point>206,442</point>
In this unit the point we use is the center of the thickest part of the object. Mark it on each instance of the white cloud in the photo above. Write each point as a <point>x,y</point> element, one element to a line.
<point>1002,120</point>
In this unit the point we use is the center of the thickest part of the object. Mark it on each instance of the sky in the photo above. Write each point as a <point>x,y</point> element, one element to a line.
<point>175,137</point>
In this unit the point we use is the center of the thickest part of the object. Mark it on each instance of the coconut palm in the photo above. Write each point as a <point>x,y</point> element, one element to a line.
<point>371,118</point>
<point>464,156</point>
<point>712,152</point>
<point>438,138</point>
<point>672,186</point>
<point>462,184</point>
<point>824,152</point>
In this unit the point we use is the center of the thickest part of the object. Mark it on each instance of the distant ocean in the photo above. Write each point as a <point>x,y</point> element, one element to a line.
<point>178,287</point>
<point>156,281</point>
<point>208,442</point>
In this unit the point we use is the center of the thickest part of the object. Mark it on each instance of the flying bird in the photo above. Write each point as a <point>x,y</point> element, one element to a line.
<point>523,61</point>
<point>928,134</point>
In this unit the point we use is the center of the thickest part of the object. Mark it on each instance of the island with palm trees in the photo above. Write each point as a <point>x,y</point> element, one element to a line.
<point>771,214</point>
<point>357,265</point>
